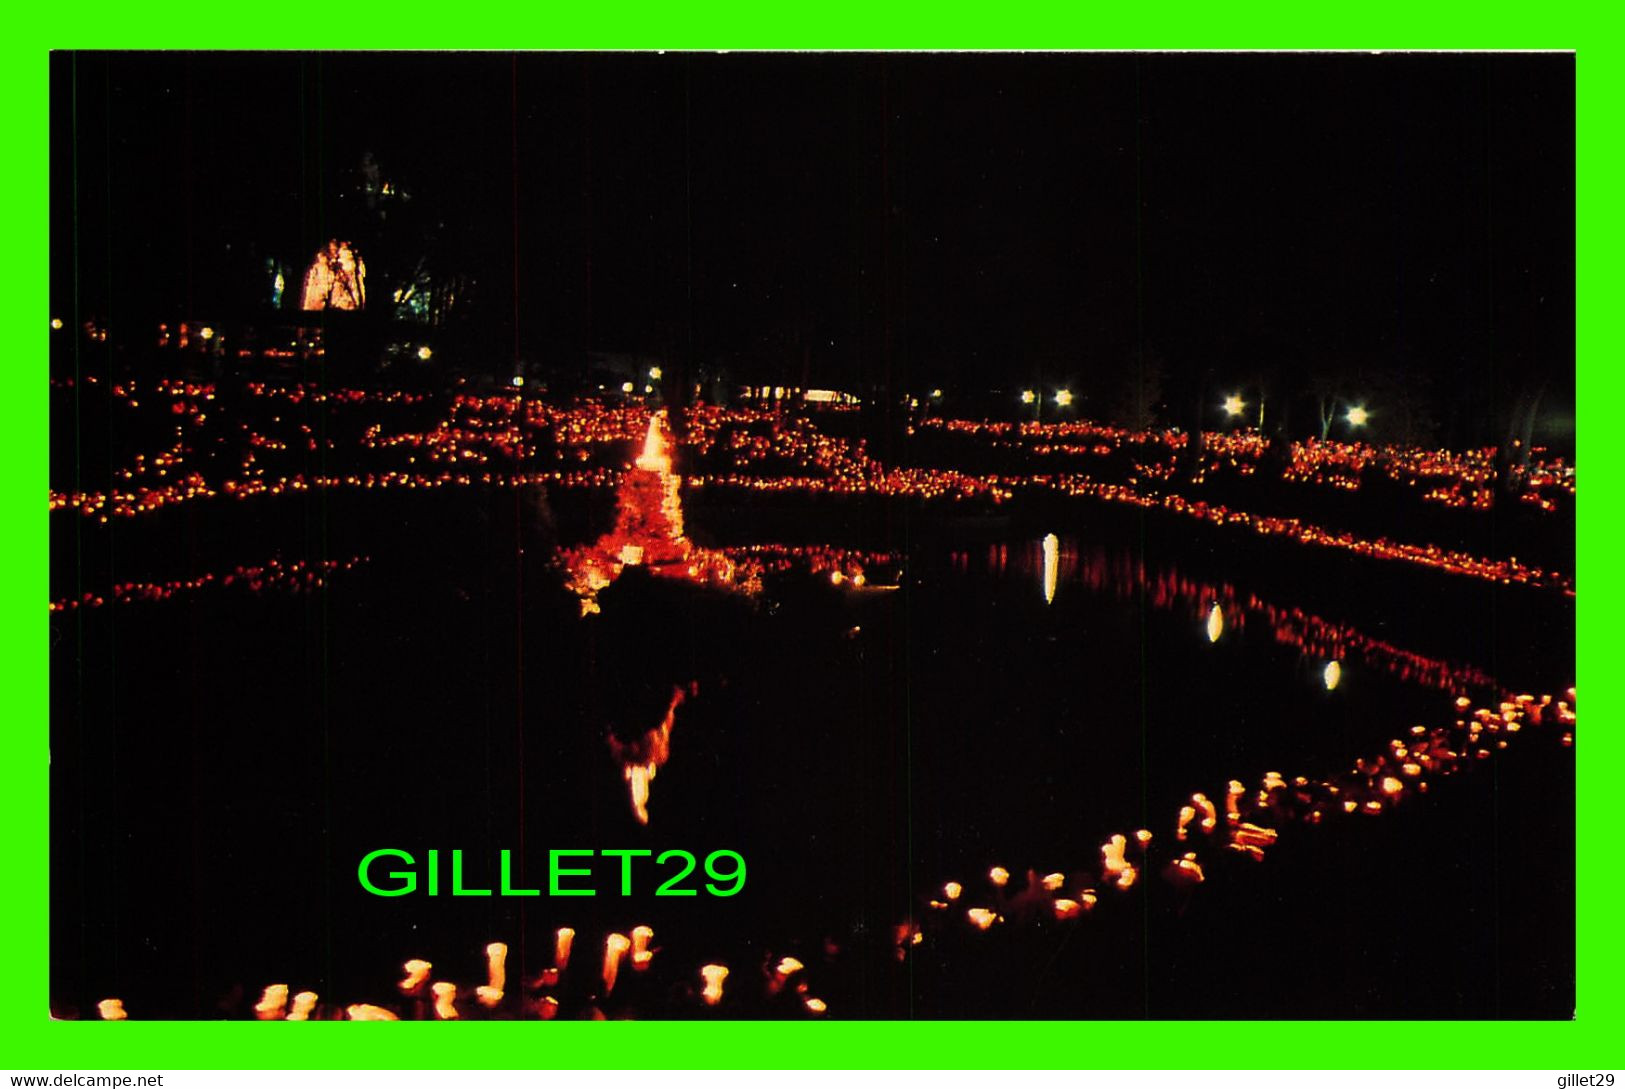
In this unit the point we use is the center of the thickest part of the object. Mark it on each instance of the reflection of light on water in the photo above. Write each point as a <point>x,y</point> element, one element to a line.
<point>1052,565</point>
<point>640,759</point>
<point>1333,674</point>
<point>1215,623</point>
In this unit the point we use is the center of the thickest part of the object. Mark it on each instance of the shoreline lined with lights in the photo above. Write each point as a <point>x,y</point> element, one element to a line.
<point>1245,824</point>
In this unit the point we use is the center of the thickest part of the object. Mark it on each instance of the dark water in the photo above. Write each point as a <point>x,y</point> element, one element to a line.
<point>221,762</point>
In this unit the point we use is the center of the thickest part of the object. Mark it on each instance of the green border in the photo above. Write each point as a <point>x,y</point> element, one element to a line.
<point>32,1041</point>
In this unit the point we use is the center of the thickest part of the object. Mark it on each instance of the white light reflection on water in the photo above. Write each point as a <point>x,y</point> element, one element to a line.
<point>1052,565</point>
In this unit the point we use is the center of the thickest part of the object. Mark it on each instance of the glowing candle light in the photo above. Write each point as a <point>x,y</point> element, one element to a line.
<point>273,1003</point>
<point>615,947</point>
<point>1052,565</point>
<point>416,972</point>
<point>561,947</point>
<point>1215,623</point>
<point>111,1009</point>
<point>999,876</point>
<point>547,1008</point>
<point>1210,815</point>
<point>1232,795</point>
<point>1067,909</point>
<point>787,967</point>
<point>1391,786</point>
<point>1188,869</point>
<point>1111,853</point>
<point>362,1011</point>
<point>815,1005</point>
<point>303,1004</point>
<point>1143,836</point>
<point>714,975</point>
<point>641,953</point>
<point>952,890</point>
<point>1332,674</point>
<point>496,963</point>
<point>1187,813</point>
<point>1053,881</point>
<point>981,918</point>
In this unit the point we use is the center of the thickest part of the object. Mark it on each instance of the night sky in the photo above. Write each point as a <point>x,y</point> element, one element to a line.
<point>968,221</point>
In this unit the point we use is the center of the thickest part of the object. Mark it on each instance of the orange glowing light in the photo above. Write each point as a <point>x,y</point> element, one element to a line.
<point>363,1011</point>
<point>304,1003</point>
<point>615,947</point>
<point>1390,785</point>
<point>641,953</point>
<point>982,918</point>
<point>561,947</point>
<point>1215,623</point>
<point>714,976</point>
<point>952,890</point>
<point>1053,881</point>
<point>273,1003</point>
<point>445,995</point>
<point>416,972</point>
<point>111,1009</point>
<point>816,1005</point>
<point>1067,909</point>
<point>999,876</point>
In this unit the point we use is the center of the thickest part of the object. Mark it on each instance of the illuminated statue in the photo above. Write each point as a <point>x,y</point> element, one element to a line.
<point>337,279</point>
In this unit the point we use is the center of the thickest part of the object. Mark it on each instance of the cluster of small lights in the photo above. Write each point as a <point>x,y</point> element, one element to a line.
<point>497,438</point>
<point>274,574</point>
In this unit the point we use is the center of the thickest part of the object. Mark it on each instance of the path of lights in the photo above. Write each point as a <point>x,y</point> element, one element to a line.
<point>273,574</point>
<point>1205,840</point>
<point>495,439</point>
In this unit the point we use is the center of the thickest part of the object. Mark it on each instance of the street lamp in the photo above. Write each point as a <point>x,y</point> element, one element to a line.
<point>1358,416</point>
<point>1028,396</point>
<point>1234,405</point>
<point>1063,397</point>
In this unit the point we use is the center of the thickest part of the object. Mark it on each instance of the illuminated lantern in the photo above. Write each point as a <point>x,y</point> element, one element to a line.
<point>445,994</point>
<point>416,972</point>
<point>615,947</point>
<point>303,1003</point>
<point>641,954</point>
<point>713,975</point>
<point>364,1012</point>
<point>981,918</point>
<point>273,1002</point>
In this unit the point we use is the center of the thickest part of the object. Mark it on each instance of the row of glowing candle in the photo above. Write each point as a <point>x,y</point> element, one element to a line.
<point>273,574</point>
<point>838,465</point>
<point>1247,825</point>
<point>424,997</point>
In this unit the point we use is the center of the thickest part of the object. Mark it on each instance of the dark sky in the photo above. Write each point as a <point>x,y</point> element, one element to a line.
<point>965,220</point>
